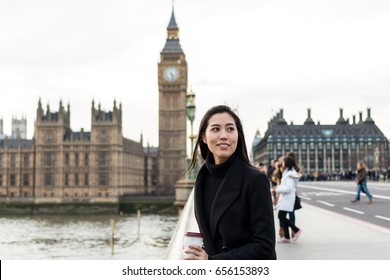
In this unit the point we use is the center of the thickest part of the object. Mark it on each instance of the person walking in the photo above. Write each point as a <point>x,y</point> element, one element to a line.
<point>275,181</point>
<point>271,169</point>
<point>297,169</point>
<point>287,190</point>
<point>361,181</point>
<point>232,199</point>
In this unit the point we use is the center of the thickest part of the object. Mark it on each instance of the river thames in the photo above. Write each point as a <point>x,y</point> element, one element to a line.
<point>86,237</point>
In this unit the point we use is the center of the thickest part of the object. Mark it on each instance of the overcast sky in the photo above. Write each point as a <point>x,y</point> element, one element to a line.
<point>255,55</point>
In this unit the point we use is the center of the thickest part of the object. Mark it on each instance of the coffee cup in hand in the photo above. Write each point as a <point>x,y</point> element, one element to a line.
<point>192,238</point>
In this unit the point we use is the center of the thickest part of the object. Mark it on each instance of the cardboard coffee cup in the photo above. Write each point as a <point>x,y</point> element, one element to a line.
<point>192,238</point>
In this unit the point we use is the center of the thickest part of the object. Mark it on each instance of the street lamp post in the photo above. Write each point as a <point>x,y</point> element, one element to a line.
<point>185,185</point>
<point>191,117</point>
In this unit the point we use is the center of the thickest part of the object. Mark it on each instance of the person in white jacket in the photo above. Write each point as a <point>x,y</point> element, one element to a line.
<point>287,190</point>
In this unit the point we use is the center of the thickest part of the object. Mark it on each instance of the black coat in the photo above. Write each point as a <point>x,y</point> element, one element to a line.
<point>241,215</point>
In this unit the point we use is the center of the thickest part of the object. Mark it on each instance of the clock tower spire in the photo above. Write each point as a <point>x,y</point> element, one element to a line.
<point>172,87</point>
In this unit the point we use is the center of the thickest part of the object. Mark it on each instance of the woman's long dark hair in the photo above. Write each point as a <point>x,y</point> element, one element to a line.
<point>241,151</point>
<point>289,163</point>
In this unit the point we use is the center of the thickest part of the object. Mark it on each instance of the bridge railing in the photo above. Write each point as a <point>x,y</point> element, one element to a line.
<point>186,223</point>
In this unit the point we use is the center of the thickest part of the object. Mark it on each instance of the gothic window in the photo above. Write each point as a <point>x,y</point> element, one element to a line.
<point>103,178</point>
<point>76,159</point>
<point>66,159</point>
<point>103,158</point>
<point>25,180</point>
<point>76,179</point>
<point>86,159</point>
<point>48,179</point>
<point>66,183</point>
<point>12,180</point>
<point>49,159</point>
<point>49,136</point>
<point>86,179</point>
<point>26,160</point>
<point>103,136</point>
<point>13,160</point>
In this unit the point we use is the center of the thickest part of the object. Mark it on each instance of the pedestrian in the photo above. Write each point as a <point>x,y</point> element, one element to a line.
<point>287,190</point>
<point>262,168</point>
<point>271,169</point>
<point>361,181</point>
<point>296,167</point>
<point>273,180</point>
<point>232,199</point>
<point>277,174</point>
<point>276,179</point>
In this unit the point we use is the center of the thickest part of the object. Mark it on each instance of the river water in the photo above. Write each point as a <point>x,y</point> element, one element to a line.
<point>85,237</point>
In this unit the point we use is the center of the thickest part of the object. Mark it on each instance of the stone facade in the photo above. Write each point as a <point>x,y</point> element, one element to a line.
<point>60,165</point>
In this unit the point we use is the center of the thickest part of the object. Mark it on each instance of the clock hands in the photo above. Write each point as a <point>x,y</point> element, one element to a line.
<point>171,74</point>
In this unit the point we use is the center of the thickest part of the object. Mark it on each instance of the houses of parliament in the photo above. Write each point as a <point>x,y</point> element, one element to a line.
<point>61,165</point>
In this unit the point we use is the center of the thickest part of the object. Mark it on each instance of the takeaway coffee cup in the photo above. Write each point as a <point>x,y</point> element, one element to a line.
<point>192,238</point>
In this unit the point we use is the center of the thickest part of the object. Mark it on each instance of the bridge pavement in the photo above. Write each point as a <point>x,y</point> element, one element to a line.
<point>327,235</point>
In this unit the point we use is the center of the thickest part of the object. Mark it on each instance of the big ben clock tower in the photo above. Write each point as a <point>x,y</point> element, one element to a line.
<point>172,86</point>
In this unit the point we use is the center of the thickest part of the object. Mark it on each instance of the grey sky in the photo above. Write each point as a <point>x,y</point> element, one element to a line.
<point>257,56</point>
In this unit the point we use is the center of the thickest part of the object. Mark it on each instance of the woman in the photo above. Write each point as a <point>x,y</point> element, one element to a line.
<point>287,190</point>
<point>233,206</point>
<point>361,181</point>
<point>297,169</point>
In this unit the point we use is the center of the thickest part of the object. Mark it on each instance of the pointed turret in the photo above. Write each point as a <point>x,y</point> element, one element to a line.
<point>280,118</point>
<point>172,23</point>
<point>369,119</point>
<point>341,119</point>
<point>309,120</point>
<point>172,44</point>
<point>40,110</point>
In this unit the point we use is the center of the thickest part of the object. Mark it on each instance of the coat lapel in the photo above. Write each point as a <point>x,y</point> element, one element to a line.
<point>199,213</point>
<point>227,193</point>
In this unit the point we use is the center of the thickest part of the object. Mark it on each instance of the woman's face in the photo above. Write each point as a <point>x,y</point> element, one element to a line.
<point>221,136</point>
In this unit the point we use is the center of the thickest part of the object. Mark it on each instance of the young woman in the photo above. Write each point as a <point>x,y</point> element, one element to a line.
<point>361,181</point>
<point>287,190</point>
<point>233,205</point>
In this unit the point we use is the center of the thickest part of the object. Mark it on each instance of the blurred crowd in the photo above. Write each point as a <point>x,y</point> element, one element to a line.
<point>372,175</point>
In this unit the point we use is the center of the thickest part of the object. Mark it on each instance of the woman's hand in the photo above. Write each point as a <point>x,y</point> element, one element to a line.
<point>198,253</point>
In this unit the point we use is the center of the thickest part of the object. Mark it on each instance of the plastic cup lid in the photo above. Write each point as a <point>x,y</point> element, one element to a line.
<point>193,234</point>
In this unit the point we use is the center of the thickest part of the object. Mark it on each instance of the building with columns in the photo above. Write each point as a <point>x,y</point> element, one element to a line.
<point>321,149</point>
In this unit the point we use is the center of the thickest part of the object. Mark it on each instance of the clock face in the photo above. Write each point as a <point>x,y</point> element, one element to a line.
<point>171,74</point>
